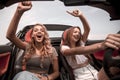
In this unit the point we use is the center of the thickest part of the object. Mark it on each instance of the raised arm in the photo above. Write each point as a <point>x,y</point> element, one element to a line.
<point>112,41</point>
<point>86,26</point>
<point>11,32</point>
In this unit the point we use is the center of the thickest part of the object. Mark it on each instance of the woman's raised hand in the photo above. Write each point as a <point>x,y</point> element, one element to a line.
<point>75,13</point>
<point>24,6</point>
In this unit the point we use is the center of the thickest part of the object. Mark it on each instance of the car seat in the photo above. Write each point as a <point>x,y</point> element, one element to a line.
<point>5,53</point>
<point>66,65</point>
<point>4,61</point>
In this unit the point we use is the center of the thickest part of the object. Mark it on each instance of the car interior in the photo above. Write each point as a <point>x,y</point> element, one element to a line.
<point>111,61</point>
<point>66,73</point>
<point>5,53</point>
<point>11,56</point>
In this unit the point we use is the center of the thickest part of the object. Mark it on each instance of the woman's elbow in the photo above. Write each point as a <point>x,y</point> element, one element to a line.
<point>9,36</point>
<point>57,73</point>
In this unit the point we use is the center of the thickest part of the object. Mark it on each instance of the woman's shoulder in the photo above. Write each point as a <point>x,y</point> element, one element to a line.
<point>65,46</point>
<point>54,51</point>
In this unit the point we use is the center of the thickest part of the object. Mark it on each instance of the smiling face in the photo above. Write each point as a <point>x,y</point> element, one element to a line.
<point>72,36</point>
<point>38,33</point>
<point>75,36</point>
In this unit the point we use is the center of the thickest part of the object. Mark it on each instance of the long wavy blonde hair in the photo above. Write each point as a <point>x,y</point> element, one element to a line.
<point>46,50</point>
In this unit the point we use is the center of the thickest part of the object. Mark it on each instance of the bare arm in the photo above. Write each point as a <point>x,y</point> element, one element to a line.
<point>55,66</point>
<point>86,26</point>
<point>112,41</point>
<point>11,32</point>
<point>55,73</point>
<point>82,50</point>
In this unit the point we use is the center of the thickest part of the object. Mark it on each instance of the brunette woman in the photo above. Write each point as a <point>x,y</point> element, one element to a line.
<point>74,49</point>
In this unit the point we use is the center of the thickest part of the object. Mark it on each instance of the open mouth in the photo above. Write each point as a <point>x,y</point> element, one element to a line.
<point>39,36</point>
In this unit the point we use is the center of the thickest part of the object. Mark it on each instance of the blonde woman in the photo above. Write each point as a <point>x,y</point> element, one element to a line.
<point>39,53</point>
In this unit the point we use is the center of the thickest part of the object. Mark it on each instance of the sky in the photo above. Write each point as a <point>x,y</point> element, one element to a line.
<point>54,12</point>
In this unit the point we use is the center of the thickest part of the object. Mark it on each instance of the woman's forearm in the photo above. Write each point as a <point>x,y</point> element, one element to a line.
<point>86,28</point>
<point>83,50</point>
<point>55,73</point>
<point>84,22</point>
<point>53,76</point>
<point>13,25</point>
